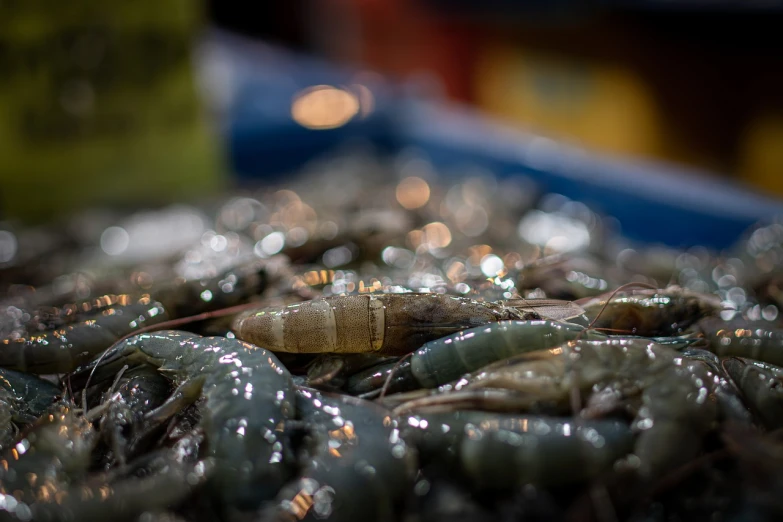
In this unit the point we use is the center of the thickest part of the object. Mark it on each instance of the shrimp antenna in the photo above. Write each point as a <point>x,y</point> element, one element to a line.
<point>614,330</point>
<point>68,392</point>
<point>173,323</point>
<point>391,374</point>
<point>611,296</point>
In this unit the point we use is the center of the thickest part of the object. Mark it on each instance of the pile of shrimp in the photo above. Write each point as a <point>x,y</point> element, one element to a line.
<point>346,348</point>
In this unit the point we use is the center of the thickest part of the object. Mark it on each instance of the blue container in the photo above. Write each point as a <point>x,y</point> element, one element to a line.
<point>654,202</point>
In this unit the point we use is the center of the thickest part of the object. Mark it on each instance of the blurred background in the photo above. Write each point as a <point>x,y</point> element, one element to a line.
<point>637,107</point>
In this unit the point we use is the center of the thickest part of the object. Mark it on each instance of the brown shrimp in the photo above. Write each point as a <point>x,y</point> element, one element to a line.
<point>388,324</point>
<point>650,313</point>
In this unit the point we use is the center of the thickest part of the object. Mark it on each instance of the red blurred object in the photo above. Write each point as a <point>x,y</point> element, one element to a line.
<point>405,39</point>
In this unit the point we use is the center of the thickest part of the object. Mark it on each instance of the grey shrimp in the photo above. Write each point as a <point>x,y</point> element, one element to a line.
<point>443,360</point>
<point>356,466</point>
<point>109,318</point>
<point>740,338</point>
<point>131,411</point>
<point>503,452</point>
<point>23,399</point>
<point>762,386</point>
<point>673,412</point>
<point>63,349</point>
<point>44,477</point>
<point>249,398</point>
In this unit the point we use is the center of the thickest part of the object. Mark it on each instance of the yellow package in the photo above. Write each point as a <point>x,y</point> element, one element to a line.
<point>760,152</point>
<point>597,105</point>
<point>98,107</point>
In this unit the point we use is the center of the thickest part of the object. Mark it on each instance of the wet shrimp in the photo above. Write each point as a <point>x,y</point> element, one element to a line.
<point>63,349</point>
<point>44,477</point>
<point>249,399</point>
<point>23,398</point>
<point>355,466</point>
<point>762,386</point>
<point>385,324</point>
<point>651,313</point>
<point>504,452</point>
<point>24,318</point>
<point>131,416</point>
<point>740,338</point>
<point>443,360</point>
<point>672,397</point>
<point>730,405</point>
<point>105,320</point>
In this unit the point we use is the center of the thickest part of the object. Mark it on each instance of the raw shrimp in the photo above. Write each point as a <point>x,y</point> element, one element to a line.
<point>762,386</point>
<point>355,467</point>
<point>23,398</point>
<point>448,358</point>
<point>650,313</point>
<point>131,416</point>
<point>673,402</point>
<point>109,318</point>
<point>443,360</point>
<point>63,349</point>
<point>248,401</point>
<point>503,452</point>
<point>740,338</point>
<point>386,324</point>
<point>43,477</point>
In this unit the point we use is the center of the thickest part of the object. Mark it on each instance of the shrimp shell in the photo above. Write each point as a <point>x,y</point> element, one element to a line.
<point>391,324</point>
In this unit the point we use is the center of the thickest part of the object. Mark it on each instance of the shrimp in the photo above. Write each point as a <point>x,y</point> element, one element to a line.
<point>112,317</point>
<point>248,401</point>
<point>762,386</point>
<point>759,458</point>
<point>503,452</point>
<point>443,360</point>
<point>673,396</point>
<point>57,448</point>
<point>385,324</point>
<point>333,370</point>
<point>63,349</point>
<point>43,477</point>
<point>742,338</point>
<point>131,414</point>
<point>23,398</point>
<point>356,467</point>
<point>651,313</point>
<point>731,408</point>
